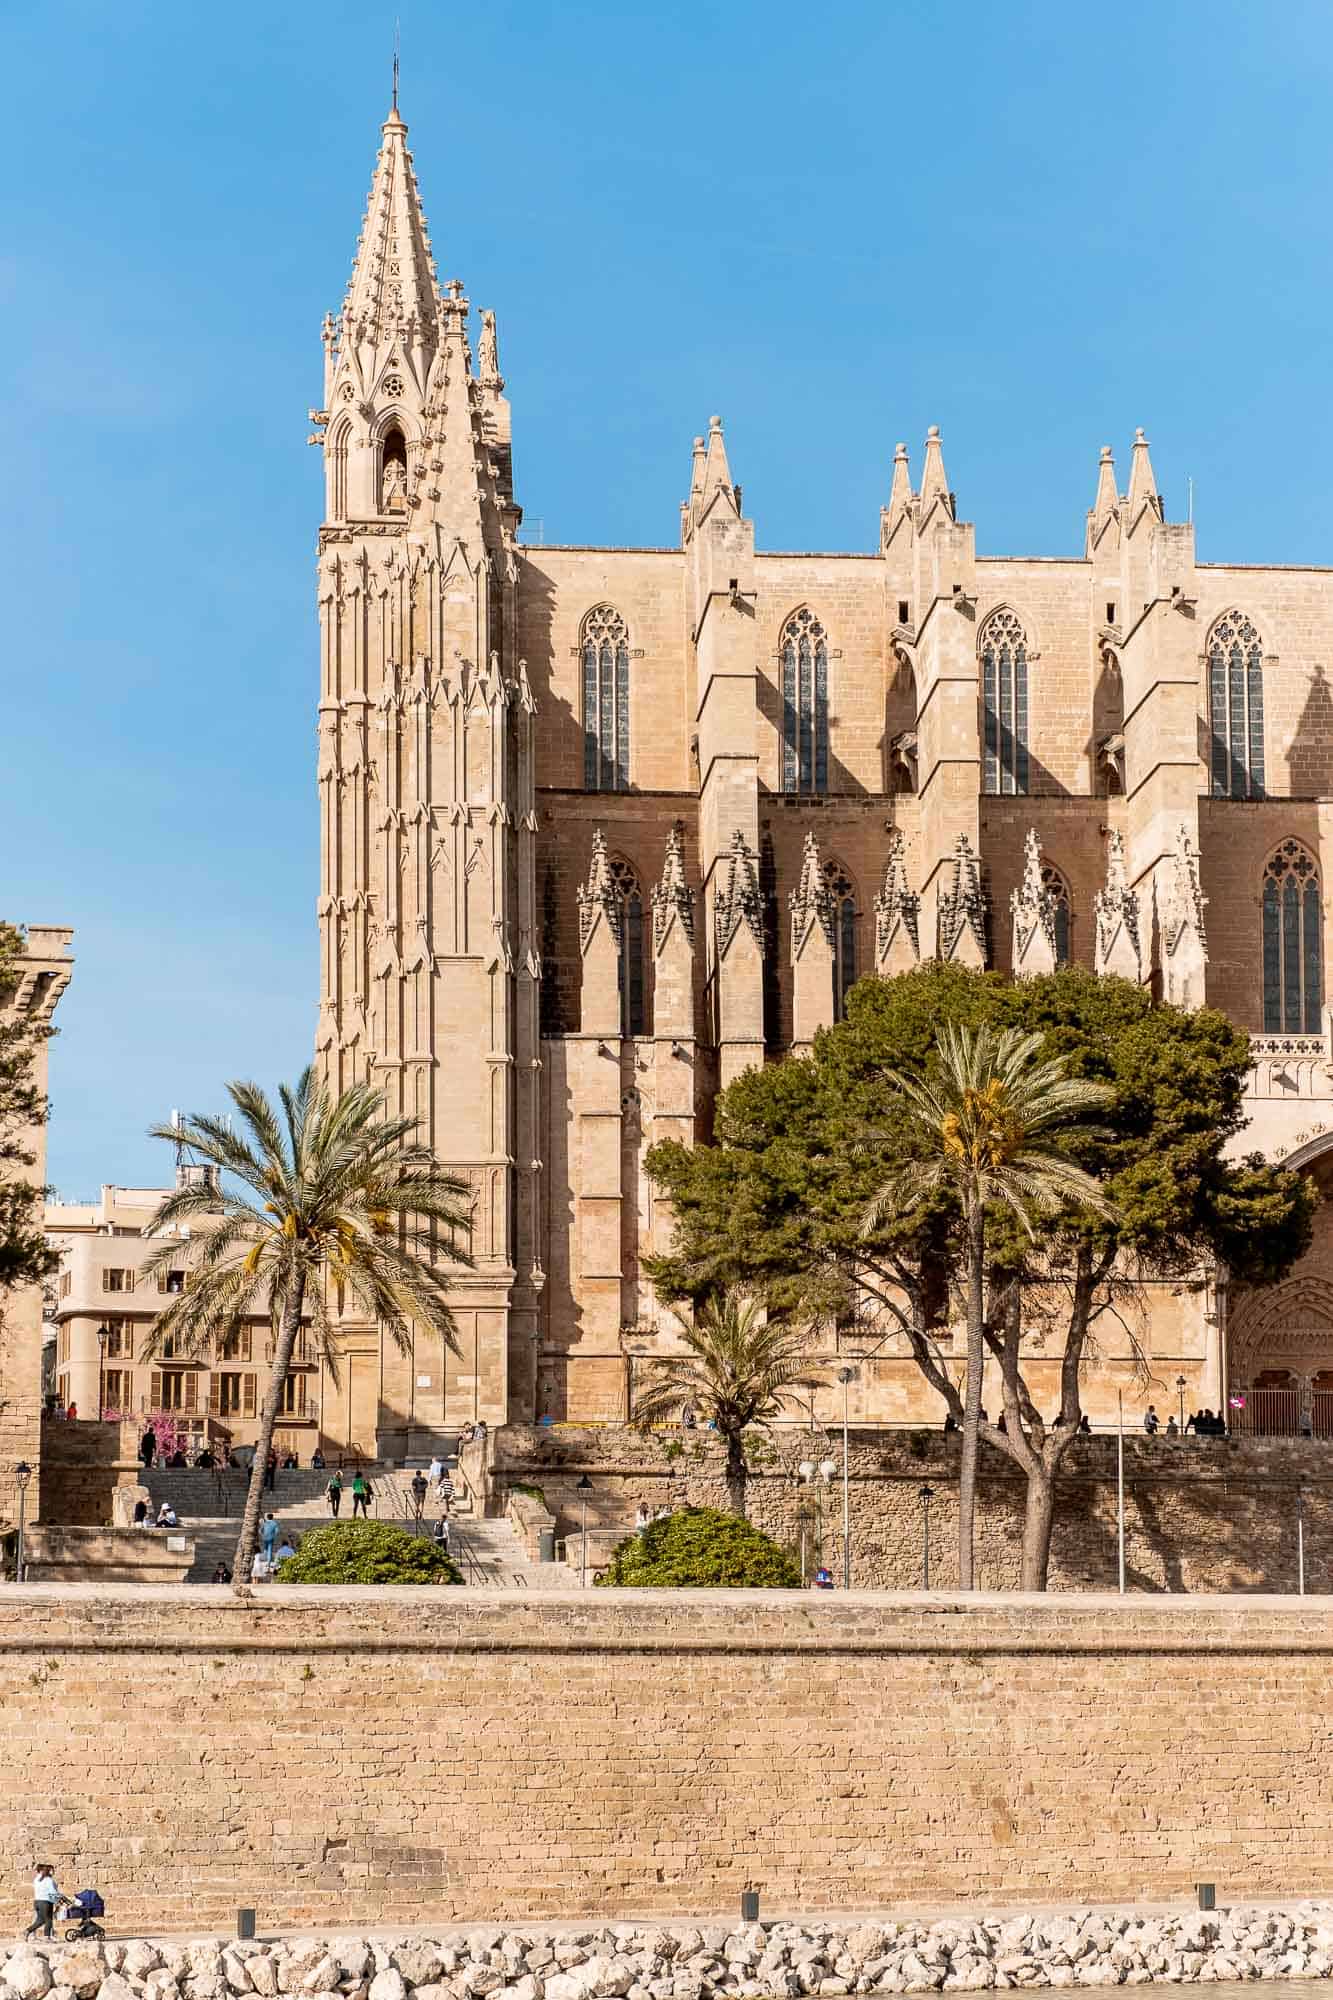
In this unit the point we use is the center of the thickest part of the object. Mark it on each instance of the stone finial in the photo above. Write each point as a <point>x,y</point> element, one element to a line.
<point>740,900</point>
<point>900,491</point>
<point>1032,910</point>
<point>934,480</point>
<point>716,471</point>
<point>393,278</point>
<point>1106,502</point>
<point>673,896</point>
<point>599,897</point>
<point>1119,943</point>
<point>897,913</point>
<point>962,909</point>
<point>1182,937</point>
<point>1142,484</point>
<point>810,901</point>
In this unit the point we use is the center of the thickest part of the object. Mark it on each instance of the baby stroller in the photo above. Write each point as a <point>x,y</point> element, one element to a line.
<point>88,1905</point>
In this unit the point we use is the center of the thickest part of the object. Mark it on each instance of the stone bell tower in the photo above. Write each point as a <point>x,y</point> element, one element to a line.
<point>429,971</point>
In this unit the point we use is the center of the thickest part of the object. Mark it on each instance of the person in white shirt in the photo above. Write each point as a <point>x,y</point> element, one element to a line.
<point>46,1900</point>
<point>260,1569</point>
<point>166,1516</point>
<point>285,1550</point>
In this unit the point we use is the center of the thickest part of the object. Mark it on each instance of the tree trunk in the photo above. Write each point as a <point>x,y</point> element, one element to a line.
<point>967,1471</point>
<point>1038,1522</point>
<point>737,1473</point>
<point>254,1499</point>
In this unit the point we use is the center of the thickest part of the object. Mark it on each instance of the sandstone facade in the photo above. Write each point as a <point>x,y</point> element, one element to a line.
<point>415,1756</point>
<point>602,827</point>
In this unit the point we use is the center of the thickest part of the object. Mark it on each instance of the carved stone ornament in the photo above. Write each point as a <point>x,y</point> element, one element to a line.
<point>673,895</point>
<point>599,897</point>
<point>810,902</point>
<point>1032,908</point>
<point>1184,902</point>
<point>897,908</point>
<point>962,908</point>
<point>1119,944</point>
<point>740,900</point>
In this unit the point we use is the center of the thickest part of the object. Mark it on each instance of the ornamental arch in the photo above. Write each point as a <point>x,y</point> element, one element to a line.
<point>1280,1338</point>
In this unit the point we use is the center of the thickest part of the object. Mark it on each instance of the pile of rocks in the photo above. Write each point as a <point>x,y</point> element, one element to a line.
<point>685,1962</point>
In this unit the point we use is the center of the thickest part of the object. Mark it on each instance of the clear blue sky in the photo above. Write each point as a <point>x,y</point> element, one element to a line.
<point>1034,224</point>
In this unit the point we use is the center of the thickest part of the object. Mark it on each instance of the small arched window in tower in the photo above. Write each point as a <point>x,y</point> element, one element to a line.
<point>393,472</point>
<point>1236,708</point>
<point>1293,945</point>
<point>633,985</point>
<point>843,898</point>
<point>1053,882</point>
<point>604,648</point>
<point>803,655</point>
<point>1004,705</point>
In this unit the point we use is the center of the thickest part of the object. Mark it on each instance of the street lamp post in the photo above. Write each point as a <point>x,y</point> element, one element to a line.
<point>583,1489</point>
<point>22,1474</point>
<point>1180,1391</point>
<point>1300,1540</point>
<point>846,1375</point>
<point>927,1495</point>
<point>103,1335</point>
<point>1120,1486</point>
<point>816,1476</point>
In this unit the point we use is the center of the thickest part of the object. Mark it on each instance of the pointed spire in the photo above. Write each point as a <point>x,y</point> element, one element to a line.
<point>934,481</point>
<point>697,473</point>
<point>1119,944</point>
<point>810,902</point>
<point>900,488</point>
<point>1032,910</point>
<point>897,945</point>
<point>717,473</point>
<point>673,896</point>
<point>740,899</point>
<point>1106,504</point>
<point>1142,484</point>
<point>599,897</point>
<point>1182,938</point>
<point>961,908</point>
<point>393,278</point>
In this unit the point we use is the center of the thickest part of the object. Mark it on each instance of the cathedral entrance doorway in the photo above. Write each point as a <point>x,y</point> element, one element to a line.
<point>1280,1341</point>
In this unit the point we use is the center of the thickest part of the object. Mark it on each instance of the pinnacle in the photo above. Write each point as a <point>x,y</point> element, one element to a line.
<point>393,279</point>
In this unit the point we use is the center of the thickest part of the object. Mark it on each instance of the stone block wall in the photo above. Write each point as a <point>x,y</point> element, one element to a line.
<point>349,1757</point>
<point>1201,1514</point>
<point>83,1466</point>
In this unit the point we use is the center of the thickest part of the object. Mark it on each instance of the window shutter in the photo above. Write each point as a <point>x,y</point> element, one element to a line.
<point>191,1390</point>
<point>249,1394</point>
<point>245,1343</point>
<point>155,1396</point>
<point>129,1281</point>
<point>214,1395</point>
<point>162,1281</point>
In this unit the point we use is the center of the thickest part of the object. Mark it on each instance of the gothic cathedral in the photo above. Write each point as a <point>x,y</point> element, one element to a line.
<point>602,828</point>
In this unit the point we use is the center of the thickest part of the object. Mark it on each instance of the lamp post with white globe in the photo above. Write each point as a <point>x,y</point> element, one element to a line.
<point>818,1476</point>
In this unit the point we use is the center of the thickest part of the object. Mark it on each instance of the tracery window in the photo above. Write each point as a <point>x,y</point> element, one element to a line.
<point>1236,708</point>
<point>605,650</point>
<point>1293,943</point>
<point>843,896</point>
<point>1004,701</point>
<point>1053,882</point>
<point>633,985</point>
<point>803,654</point>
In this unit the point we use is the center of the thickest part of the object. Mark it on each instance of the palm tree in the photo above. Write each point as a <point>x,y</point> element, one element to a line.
<point>736,1371</point>
<point>333,1195</point>
<point>991,1126</point>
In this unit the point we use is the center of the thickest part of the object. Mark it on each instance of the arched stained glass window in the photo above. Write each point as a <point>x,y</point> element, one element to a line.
<point>1004,702</point>
<point>1236,708</point>
<point>633,985</point>
<point>1053,882</point>
<point>803,656</point>
<point>1293,943</point>
<point>605,652</point>
<point>843,896</point>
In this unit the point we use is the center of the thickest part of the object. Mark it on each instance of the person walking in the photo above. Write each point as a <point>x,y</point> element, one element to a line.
<point>642,1518</point>
<point>1151,1422</point>
<point>446,1492</point>
<point>419,1492</point>
<point>360,1498</point>
<point>46,1900</point>
<point>148,1447</point>
<point>271,1470</point>
<point>334,1491</point>
<point>268,1535</point>
<point>436,1473</point>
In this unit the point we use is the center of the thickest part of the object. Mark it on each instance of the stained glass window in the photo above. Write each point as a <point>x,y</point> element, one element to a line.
<point>1004,700</point>
<point>803,655</point>
<point>844,934</point>
<point>1236,708</point>
<point>605,653</point>
<point>633,986</point>
<point>1292,943</point>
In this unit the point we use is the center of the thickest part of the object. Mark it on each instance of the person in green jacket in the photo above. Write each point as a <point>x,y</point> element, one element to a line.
<point>360,1498</point>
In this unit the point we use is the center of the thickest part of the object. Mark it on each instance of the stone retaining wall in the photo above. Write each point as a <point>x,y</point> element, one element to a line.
<point>413,1756</point>
<point>1201,1514</point>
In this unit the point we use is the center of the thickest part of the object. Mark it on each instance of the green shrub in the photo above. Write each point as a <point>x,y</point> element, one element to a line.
<point>367,1552</point>
<point>698,1548</point>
